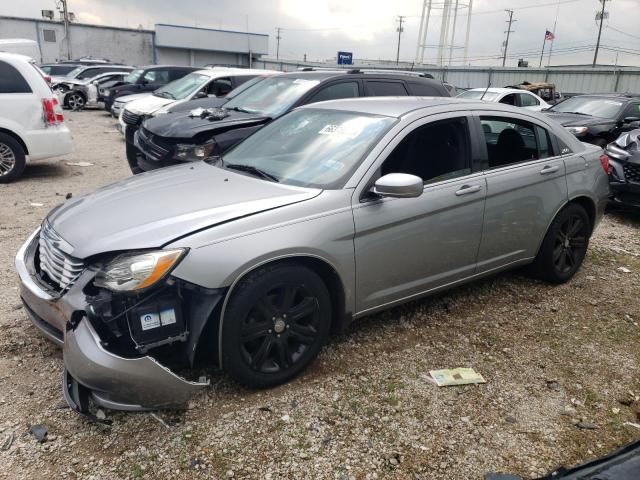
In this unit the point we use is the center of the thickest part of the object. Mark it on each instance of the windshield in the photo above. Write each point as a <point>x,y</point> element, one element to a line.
<point>272,97</point>
<point>73,73</point>
<point>593,106</point>
<point>133,76</point>
<point>249,83</point>
<point>59,70</point>
<point>477,95</point>
<point>310,148</point>
<point>183,87</point>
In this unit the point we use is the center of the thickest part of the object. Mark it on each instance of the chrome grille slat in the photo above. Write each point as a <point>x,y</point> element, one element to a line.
<point>59,266</point>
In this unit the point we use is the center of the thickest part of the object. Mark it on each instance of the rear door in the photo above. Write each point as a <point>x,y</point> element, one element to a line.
<point>407,246</point>
<point>154,79</point>
<point>526,186</point>
<point>20,108</point>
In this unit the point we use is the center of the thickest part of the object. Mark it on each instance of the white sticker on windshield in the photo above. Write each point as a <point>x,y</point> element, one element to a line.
<point>349,131</point>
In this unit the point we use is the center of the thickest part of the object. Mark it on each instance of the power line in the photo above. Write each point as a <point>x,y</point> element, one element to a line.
<point>508,32</point>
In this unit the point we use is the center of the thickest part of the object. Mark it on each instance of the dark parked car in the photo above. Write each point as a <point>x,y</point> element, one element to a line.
<point>58,69</point>
<point>199,134</point>
<point>213,102</point>
<point>624,168</point>
<point>144,79</point>
<point>598,119</point>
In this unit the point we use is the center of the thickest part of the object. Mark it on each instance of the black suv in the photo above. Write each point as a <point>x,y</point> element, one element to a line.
<point>144,79</point>
<point>203,133</point>
<point>598,118</point>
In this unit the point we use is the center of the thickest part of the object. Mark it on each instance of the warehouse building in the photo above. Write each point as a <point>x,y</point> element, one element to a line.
<point>166,44</point>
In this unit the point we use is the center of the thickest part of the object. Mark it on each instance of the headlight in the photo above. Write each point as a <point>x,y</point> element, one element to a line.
<point>190,153</point>
<point>577,130</point>
<point>137,271</point>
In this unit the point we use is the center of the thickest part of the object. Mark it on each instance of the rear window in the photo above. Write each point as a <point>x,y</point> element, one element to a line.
<point>386,89</point>
<point>424,89</point>
<point>11,81</point>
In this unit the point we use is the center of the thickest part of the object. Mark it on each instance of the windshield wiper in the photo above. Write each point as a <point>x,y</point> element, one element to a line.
<point>580,113</point>
<point>252,170</point>
<point>240,109</point>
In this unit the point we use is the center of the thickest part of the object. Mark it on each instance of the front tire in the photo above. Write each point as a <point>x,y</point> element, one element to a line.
<point>564,246</point>
<point>275,324</point>
<point>12,159</point>
<point>75,101</point>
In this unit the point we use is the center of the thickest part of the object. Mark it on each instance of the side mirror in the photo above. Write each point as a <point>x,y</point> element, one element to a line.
<point>399,185</point>
<point>202,94</point>
<point>631,119</point>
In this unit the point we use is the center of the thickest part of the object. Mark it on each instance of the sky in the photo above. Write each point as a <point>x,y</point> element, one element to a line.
<point>319,28</point>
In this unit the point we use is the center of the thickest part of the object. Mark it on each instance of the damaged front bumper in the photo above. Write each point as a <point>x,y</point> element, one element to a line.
<point>121,381</point>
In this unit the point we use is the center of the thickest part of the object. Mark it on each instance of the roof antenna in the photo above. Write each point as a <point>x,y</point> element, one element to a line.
<point>485,91</point>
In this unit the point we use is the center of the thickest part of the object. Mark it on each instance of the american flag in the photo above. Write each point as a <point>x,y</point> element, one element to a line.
<point>549,35</point>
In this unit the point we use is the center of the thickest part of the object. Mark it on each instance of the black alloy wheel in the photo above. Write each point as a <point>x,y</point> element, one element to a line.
<point>564,246</point>
<point>571,244</point>
<point>275,325</point>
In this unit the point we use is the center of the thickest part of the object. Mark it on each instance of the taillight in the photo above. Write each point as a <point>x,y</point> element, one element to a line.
<point>604,161</point>
<point>47,79</point>
<point>51,112</point>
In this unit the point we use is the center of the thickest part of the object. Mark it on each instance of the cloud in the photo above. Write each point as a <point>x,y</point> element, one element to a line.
<point>87,17</point>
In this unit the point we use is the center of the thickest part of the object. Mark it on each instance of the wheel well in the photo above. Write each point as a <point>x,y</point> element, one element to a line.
<point>589,206</point>
<point>339,317</point>
<point>17,139</point>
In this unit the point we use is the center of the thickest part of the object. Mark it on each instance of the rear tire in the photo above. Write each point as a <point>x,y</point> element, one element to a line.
<point>564,246</point>
<point>75,101</point>
<point>275,324</point>
<point>12,159</point>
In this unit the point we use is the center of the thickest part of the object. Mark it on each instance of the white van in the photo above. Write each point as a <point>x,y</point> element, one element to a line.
<point>31,121</point>
<point>21,46</point>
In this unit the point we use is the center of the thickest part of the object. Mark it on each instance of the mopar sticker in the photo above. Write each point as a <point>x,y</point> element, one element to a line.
<point>149,321</point>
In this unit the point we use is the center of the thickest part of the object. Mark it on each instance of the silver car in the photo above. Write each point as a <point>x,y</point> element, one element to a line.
<point>330,213</point>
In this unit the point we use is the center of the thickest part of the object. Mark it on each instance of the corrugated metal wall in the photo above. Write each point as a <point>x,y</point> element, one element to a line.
<point>567,80</point>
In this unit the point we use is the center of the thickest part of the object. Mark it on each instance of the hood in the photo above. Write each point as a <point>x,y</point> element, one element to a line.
<point>576,120</point>
<point>183,125</point>
<point>147,104</point>
<point>155,208</point>
<point>132,97</point>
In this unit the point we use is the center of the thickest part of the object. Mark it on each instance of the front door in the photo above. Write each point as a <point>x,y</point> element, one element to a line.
<point>407,246</point>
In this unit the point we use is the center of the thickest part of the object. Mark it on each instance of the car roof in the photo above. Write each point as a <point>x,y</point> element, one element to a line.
<point>497,90</point>
<point>235,72</point>
<point>617,96</point>
<point>170,67</point>
<point>390,106</point>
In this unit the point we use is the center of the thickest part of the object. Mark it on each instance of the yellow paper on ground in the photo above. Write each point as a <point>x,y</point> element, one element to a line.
<point>456,376</point>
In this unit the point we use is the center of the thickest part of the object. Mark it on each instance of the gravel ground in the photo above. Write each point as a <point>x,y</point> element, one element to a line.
<point>556,360</point>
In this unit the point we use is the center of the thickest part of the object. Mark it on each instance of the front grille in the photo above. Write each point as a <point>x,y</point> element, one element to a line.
<point>131,118</point>
<point>632,173</point>
<point>151,147</point>
<point>61,268</point>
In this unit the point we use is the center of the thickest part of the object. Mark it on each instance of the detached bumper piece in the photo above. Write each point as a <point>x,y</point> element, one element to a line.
<point>118,383</point>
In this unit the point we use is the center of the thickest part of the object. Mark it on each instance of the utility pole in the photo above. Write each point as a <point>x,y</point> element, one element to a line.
<point>65,20</point>
<point>399,30</point>
<point>595,56</point>
<point>278,37</point>
<point>509,31</point>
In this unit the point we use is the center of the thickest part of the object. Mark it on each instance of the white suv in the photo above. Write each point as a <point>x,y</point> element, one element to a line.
<point>31,122</point>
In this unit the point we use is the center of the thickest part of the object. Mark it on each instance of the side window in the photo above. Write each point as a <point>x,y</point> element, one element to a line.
<point>434,152</point>
<point>633,110</point>
<point>336,91</point>
<point>511,141</point>
<point>240,80</point>
<point>509,99</point>
<point>157,76</point>
<point>176,74</point>
<point>564,148</point>
<point>11,81</point>
<point>379,88</point>
<point>219,87</point>
<point>527,100</point>
<point>545,150</point>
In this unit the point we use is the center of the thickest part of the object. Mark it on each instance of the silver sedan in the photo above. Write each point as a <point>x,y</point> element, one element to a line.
<point>330,213</point>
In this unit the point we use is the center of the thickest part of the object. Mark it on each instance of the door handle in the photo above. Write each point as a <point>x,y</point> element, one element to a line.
<point>467,189</point>
<point>549,169</point>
